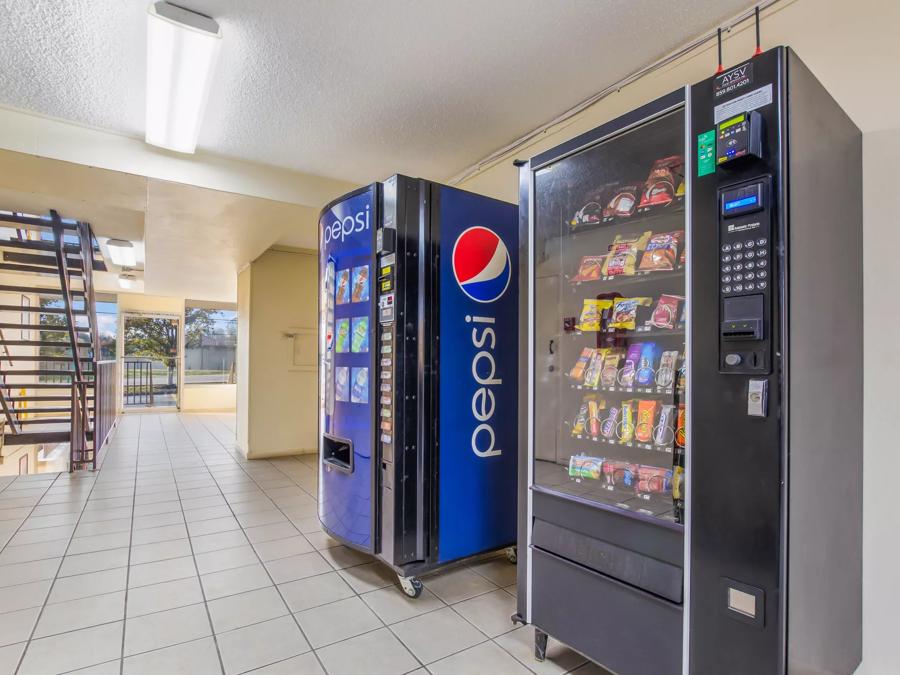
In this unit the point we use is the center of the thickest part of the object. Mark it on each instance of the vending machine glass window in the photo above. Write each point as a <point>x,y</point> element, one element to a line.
<point>610,307</point>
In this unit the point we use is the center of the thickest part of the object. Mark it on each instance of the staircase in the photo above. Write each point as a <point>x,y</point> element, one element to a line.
<point>67,396</point>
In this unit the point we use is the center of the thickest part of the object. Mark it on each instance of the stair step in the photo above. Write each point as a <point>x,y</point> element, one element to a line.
<point>37,221</point>
<point>48,359</point>
<point>40,385</point>
<point>48,328</point>
<point>35,269</point>
<point>44,343</point>
<point>16,399</point>
<point>35,259</point>
<point>37,290</point>
<point>36,438</point>
<point>39,245</point>
<point>44,420</point>
<point>62,373</point>
<point>31,411</point>
<point>41,310</point>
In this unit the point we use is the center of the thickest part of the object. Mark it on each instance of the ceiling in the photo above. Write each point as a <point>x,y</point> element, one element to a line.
<point>347,88</point>
<point>194,239</point>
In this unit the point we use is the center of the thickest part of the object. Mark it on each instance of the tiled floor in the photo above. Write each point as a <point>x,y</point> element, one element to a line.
<point>178,556</point>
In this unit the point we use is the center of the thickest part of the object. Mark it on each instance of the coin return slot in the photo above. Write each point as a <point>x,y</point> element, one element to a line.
<point>337,453</point>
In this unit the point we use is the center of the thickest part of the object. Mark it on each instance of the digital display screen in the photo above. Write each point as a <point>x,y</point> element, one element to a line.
<point>738,203</point>
<point>730,123</point>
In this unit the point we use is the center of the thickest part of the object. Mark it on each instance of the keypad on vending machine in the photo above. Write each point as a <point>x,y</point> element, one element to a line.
<point>745,266</point>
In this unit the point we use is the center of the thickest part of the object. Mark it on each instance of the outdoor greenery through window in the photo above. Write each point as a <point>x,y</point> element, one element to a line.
<point>210,344</point>
<point>107,321</point>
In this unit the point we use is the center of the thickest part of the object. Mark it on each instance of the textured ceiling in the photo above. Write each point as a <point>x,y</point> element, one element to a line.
<point>353,89</point>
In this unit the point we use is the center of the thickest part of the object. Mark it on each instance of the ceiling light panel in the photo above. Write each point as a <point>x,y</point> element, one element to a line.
<point>182,50</point>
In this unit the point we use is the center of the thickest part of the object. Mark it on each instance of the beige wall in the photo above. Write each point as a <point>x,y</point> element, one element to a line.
<point>277,398</point>
<point>849,46</point>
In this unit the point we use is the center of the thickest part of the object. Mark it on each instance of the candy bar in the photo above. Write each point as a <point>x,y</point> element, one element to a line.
<point>664,433</point>
<point>592,375</point>
<point>665,374</point>
<point>626,376</point>
<point>625,430</point>
<point>646,416</point>
<point>608,427</point>
<point>679,429</point>
<point>580,420</point>
<point>646,366</point>
<point>610,368</point>
<point>577,372</point>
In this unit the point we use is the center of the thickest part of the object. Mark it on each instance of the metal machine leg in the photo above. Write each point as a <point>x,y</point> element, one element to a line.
<point>540,644</point>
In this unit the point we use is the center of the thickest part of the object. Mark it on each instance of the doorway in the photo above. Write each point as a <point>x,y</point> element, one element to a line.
<point>150,363</point>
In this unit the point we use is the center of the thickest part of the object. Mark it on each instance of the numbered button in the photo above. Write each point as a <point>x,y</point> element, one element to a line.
<point>749,265</point>
<point>748,287</point>
<point>738,246</point>
<point>738,288</point>
<point>726,258</point>
<point>726,248</point>
<point>739,267</point>
<point>762,285</point>
<point>762,241</point>
<point>749,275</point>
<point>726,289</point>
<point>726,278</point>
<point>738,277</point>
<point>749,244</point>
<point>726,268</point>
<point>749,254</point>
<point>761,274</point>
<point>738,256</point>
<point>761,263</point>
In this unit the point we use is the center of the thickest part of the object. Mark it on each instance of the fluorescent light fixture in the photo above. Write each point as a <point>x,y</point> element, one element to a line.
<point>182,48</point>
<point>121,252</point>
<point>128,281</point>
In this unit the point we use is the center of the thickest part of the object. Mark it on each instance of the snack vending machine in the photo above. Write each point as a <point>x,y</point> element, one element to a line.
<point>692,446</point>
<point>418,374</point>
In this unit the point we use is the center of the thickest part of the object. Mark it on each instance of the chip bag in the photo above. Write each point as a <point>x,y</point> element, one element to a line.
<point>662,251</point>
<point>591,268</point>
<point>666,311</point>
<point>624,252</point>
<point>624,201</point>
<point>659,189</point>
<point>625,311</point>
<point>591,319</point>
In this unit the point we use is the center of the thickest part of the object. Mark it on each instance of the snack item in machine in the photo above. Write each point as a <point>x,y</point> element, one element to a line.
<point>580,422</point>
<point>624,252</point>
<point>595,367</point>
<point>590,269</point>
<point>665,313</point>
<point>585,466</point>
<point>664,432</point>
<point>626,375</point>
<point>608,426</point>
<point>653,479</point>
<point>591,319</point>
<point>625,310</point>
<point>610,369</point>
<point>665,374</point>
<point>623,202</point>
<point>646,369</point>
<point>662,251</point>
<point>665,174</point>
<point>625,430</point>
<point>619,473</point>
<point>646,416</point>
<point>577,372</point>
<point>679,428</point>
<point>594,408</point>
<point>588,215</point>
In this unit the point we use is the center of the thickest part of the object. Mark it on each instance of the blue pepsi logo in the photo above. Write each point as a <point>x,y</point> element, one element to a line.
<point>481,264</point>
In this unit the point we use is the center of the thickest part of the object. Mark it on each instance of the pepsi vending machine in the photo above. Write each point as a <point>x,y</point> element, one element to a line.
<point>418,374</point>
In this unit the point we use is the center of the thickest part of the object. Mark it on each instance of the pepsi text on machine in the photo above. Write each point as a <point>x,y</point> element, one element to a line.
<point>339,229</point>
<point>482,269</point>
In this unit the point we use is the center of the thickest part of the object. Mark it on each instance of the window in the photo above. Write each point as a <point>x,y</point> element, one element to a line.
<point>210,343</point>
<point>107,325</point>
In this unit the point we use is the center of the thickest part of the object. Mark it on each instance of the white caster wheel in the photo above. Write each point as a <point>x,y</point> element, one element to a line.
<point>511,555</point>
<point>412,586</point>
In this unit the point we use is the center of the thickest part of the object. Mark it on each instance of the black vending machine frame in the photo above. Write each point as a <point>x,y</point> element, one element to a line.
<point>775,474</point>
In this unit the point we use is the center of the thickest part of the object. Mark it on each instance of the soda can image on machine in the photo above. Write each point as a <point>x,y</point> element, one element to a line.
<point>418,372</point>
